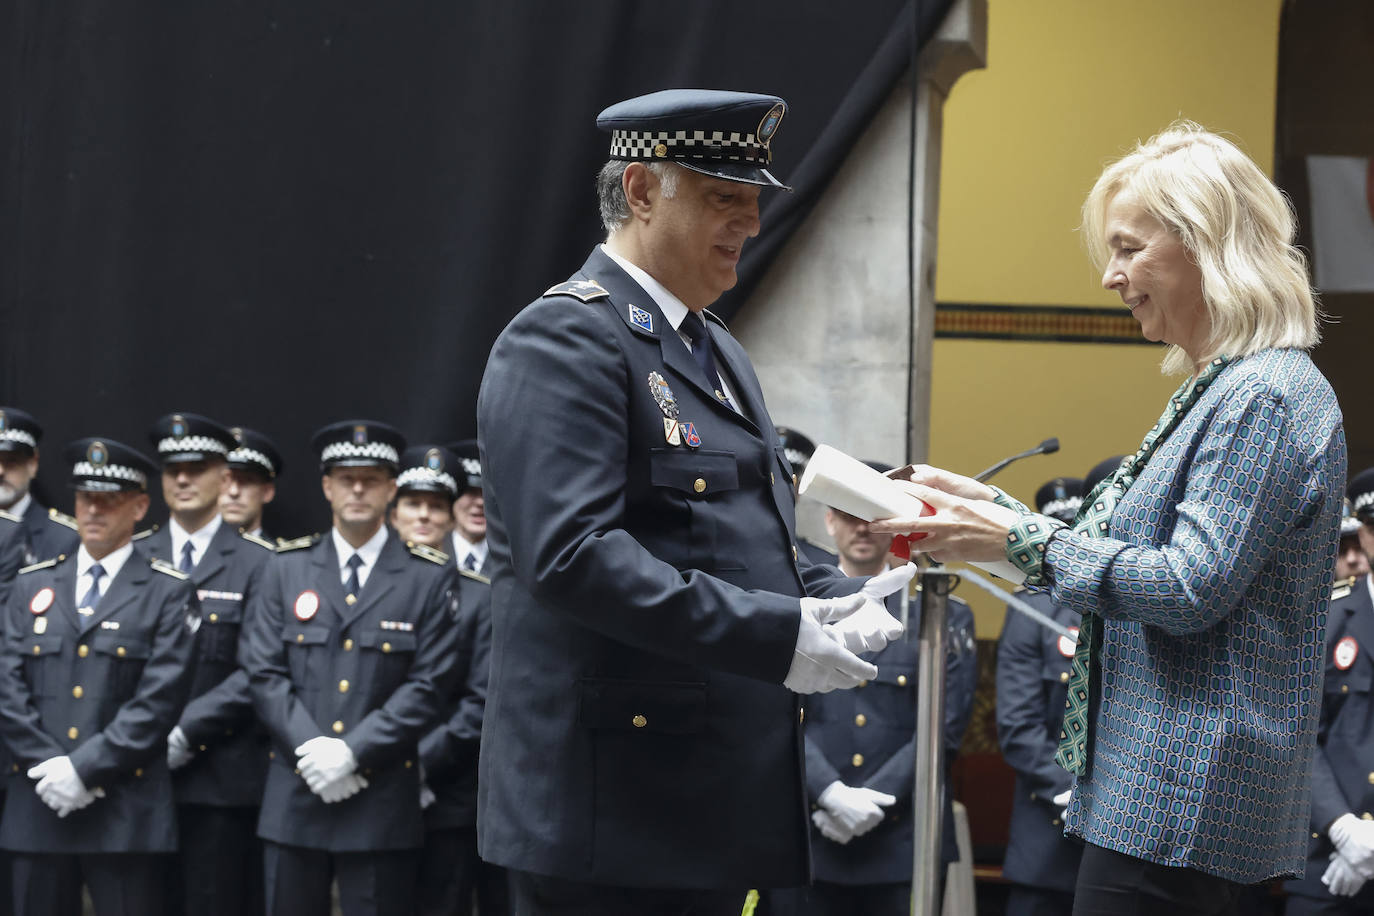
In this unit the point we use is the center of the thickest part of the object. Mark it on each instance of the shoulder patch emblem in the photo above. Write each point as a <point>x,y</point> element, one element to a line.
<point>474,575</point>
<point>254,539</point>
<point>425,552</point>
<point>44,565</point>
<point>1342,588</point>
<point>585,290</point>
<point>147,532</point>
<point>62,518</point>
<point>167,569</point>
<point>9,518</point>
<point>308,540</point>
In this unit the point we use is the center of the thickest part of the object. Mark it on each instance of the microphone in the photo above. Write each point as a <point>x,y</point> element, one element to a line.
<point>1048,447</point>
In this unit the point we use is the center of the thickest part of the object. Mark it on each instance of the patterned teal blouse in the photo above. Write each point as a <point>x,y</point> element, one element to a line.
<point>1213,584</point>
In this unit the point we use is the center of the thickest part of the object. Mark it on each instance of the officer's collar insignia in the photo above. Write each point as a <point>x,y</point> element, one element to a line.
<point>769,125</point>
<point>641,319</point>
<point>1346,651</point>
<point>663,395</point>
<point>585,290</point>
<point>97,454</point>
<point>689,435</point>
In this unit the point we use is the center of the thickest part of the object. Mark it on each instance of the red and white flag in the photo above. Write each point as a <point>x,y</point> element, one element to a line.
<point>1342,189</point>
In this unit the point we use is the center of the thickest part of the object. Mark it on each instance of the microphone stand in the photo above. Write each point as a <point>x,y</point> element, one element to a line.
<point>1048,447</point>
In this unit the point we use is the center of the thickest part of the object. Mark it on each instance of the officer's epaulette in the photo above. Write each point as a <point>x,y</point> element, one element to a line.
<point>44,565</point>
<point>1342,588</point>
<point>474,575</point>
<point>425,552</point>
<point>586,290</point>
<point>716,318</point>
<point>62,518</point>
<point>163,566</point>
<point>146,533</point>
<point>9,518</point>
<point>254,539</point>
<point>308,540</point>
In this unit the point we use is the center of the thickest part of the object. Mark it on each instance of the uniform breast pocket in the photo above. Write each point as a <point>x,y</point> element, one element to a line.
<point>220,619</point>
<point>891,696</point>
<point>702,479</point>
<point>42,658</point>
<point>387,656</point>
<point>650,707</point>
<point>303,645</point>
<point>1350,689</point>
<point>124,657</point>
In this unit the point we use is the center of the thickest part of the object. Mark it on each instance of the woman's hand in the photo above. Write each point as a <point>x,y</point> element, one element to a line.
<point>961,530</point>
<point>945,481</point>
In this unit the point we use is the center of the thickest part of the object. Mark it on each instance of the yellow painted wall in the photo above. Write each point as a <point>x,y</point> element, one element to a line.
<point>1070,85</point>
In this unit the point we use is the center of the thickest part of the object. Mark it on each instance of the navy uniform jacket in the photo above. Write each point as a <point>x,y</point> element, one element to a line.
<point>11,551</point>
<point>230,764</point>
<point>449,751</point>
<point>48,533</point>
<point>1343,769</point>
<point>866,737</point>
<point>1032,681</point>
<point>104,690</point>
<point>644,606</point>
<point>374,674</point>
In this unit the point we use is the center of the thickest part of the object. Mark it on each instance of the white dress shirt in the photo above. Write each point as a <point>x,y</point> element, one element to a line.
<point>200,540</point>
<point>369,552</point>
<point>21,505</point>
<point>462,549</point>
<point>112,563</point>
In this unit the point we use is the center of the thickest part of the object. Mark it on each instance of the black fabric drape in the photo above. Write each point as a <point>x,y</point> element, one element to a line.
<point>284,214</point>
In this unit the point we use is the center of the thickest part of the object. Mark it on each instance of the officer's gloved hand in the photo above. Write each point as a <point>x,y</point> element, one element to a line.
<point>60,788</point>
<point>869,627</point>
<point>1062,802</point>
<point>858,808</point>
<point>820,663</point>
<point>1340,878</point>
<point>831,828</point>
<point>1354,840</point>
<point>179,752</point>
<point>324,762</point>
<point>345,787</point>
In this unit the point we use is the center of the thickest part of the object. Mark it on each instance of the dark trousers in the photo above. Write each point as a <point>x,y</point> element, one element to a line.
<point>370,883</point>
<point>121,884</point>
<point>825,899</point>
<point>451,874</point>
<point>1330,905</point>
<point>541,895</point>
<point>1114,884</point>
<point>1023,900</point>
<point>220,863</point>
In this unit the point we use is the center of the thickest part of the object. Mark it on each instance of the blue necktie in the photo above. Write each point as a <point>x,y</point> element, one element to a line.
<point>93,596</point>
<point>353,584</point>
<point>470,564</point>
<point>187,561</point>
<point>704,352</point>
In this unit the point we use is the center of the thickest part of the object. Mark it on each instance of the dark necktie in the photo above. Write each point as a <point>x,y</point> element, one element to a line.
<point>470,564</point>
<point>704,352</point>
<point>353,584</point>
<point>93,595</point>
<point>188,562</point>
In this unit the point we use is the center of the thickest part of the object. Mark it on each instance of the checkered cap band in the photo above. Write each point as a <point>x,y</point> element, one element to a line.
<point>1067,506</point>
<point>1362,502</point>
<point>377,451</point>
<point>411,476</point>
<point>174,445</point>
<point>729,146</point>
<point>252,456</point>
<point>23,437</point>
<point>110,471</point>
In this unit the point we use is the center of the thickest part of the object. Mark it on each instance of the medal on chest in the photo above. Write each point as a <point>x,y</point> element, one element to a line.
<point>675,431</point>
<point>1346,651</point>
<point>1069,644</point>
<point>307,603</point>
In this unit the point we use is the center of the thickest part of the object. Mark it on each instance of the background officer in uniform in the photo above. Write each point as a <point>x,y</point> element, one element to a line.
<point>1351,560</point>
<point>639,752</point>
<point>96,669</point>
<point>47,532</point>
<point>217,752</point>
<point>350,648</point>
<point>1032,680</point>
<point>254,464</point>
<point>451,874</point>
<point>1360,492</point>
<point>860,753</point>
<point>798,449</point>
<point>469,548</point>
<point>11,551</point>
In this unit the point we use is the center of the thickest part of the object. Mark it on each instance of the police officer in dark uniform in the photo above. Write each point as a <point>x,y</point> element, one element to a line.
<point>451,874</point>
<point>350,649</point>
<point>11,551</point>
<point>1340,858</point>
<point>469,540</point>
<point>254,464</point>
<point>47,532</point>
<point>860,754</point>
<point>1032,681</point>
<point>217,752</point>
<point>640,753</point>
<point>95,672</point>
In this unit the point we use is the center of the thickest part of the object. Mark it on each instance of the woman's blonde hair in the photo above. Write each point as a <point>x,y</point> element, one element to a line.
<point>1236,226</point>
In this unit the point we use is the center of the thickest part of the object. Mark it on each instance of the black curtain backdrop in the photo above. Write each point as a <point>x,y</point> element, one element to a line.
<point>281,214</point>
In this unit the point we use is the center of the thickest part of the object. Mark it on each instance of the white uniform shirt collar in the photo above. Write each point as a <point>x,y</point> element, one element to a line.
<point>1369,585</point>
<point>369,552</point>
<point>462,549</point>
<point>22,506</point>
<point>200,540</point>
<point>671,306</point>
<point>112,564</point>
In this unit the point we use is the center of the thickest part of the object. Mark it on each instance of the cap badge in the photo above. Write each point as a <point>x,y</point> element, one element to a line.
<point>178,426</point>
<point>97,454</point>
<point>42,600</point>
<point>307,603</point>
<point>237,433</point>
<point>641,319</point>
<point>671,434</point>
<point>360,435</point>
<point>769,125</point>
<point>1068,645</point>
<point>663,395</point>
<point>2,421</point>
<point>689,435</point>
<point>1346,652</point>
<point>661,151</point>
<point>434,461</point>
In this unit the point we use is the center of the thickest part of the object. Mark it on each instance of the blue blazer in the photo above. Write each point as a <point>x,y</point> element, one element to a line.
<point>1214,582</point>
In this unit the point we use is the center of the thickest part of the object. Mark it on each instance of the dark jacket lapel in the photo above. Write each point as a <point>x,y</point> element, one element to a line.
<point>382,579</point>
<point>123,589</point>
<point>217,554</point>
<point>328,579</point>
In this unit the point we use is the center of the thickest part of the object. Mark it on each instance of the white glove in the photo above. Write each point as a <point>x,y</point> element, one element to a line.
<point>427,796</point>
<point>1062,800</point>
<point>342,788</point>
<point>1354,840</point>
<point>868,627</point>
<point>324,762</point>
<point>858,808</point>
<point>60,788</point>
<point>1340,878</point>
<point>831,828</point>
<point>179,751</point>
<point>820,663</point>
